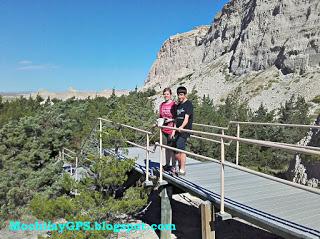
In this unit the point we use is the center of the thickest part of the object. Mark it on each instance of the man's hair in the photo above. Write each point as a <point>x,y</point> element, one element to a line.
<point>167,89</point>
<point>182,89</point>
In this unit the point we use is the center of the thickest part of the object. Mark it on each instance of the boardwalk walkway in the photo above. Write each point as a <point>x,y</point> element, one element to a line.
<point>286,210</point>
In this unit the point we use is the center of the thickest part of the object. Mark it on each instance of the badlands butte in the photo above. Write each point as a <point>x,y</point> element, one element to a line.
<point>263,50</point>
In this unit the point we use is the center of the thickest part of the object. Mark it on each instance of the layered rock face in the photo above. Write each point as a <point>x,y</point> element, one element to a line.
<point>263,33</point>
<point>178,57</point>
<point>264,49</point>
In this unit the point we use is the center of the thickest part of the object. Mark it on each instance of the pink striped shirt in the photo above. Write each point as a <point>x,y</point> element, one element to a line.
<point>168,111</point>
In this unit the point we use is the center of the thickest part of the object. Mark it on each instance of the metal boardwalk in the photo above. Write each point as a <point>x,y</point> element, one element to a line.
<point>288,211</point>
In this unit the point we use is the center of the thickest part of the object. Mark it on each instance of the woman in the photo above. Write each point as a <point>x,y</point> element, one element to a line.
<point>167,111</point>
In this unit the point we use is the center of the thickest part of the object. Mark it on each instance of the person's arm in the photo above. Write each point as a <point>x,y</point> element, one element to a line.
<point>173,131</point>
<point>189,111</point>
<point>185,121</point>
<point>174,116</point>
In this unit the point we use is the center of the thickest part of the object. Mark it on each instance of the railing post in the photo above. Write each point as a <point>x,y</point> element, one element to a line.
<point>161,156</point>
<point>62,154</point>
<point>100,139</point>
<point>222,175</point>
<point>147,159</point>
<point>238,144</point>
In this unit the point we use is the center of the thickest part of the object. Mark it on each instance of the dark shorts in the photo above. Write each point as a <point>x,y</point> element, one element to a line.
<point>181,142</point>
<point>166,140</point>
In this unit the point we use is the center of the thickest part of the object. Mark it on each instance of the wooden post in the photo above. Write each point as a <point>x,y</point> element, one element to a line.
<point>166,213</point>
<point>207,220</point>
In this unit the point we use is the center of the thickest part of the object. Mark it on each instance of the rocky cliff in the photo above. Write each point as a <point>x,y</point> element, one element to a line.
<point>265,49</point>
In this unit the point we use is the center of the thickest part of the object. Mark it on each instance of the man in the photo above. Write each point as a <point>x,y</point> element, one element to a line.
<point>184,119</point>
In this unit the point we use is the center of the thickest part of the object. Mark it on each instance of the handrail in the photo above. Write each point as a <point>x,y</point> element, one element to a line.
<point>87,137</point>
<point>70,156</point>
<point>62,154</point>
<point>210,126</point>
<point>232,165</point>
<point>250,141</point>
<point>275,124</point>
<point>126,126</point>
<point>238,123</point>
<point>214,127</point>
<point>211,140</point>
<point>299,146</point>
<point>69,150</point>
<point>139,146</point>
<point>129,142</point>
<point>188,153</point>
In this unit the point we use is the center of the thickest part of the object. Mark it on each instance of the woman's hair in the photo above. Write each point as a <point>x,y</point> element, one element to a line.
<point>167,89</point>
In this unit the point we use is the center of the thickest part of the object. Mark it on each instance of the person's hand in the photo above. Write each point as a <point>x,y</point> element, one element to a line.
<point>167,120</point>
<point>172,135</point>
<point>179,129</point>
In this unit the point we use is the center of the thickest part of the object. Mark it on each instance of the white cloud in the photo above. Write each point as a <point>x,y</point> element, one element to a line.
<point>25,62</point>
<point>26,65</point>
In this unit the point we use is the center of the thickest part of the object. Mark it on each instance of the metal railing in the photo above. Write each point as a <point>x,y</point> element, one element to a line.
<point>238,123</point>
<point>211,127</point>
<point>74,156</point>
<point>222,161</point>
<point>146,148</point>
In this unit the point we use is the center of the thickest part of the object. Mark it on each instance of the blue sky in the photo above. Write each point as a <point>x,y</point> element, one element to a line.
<point>89,45</point>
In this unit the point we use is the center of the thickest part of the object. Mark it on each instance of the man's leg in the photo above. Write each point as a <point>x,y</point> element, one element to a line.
<point>173,158</point>
<point>178,159</point>
<point>183,161</point>
<point>181,144</point>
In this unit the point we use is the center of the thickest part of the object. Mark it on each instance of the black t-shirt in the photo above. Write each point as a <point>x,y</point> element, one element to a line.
<point>182,110</point>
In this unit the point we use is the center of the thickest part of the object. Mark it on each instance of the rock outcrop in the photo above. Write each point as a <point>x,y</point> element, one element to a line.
<point>261,34</point>
<point>179,56</point>
<point>266,49</point>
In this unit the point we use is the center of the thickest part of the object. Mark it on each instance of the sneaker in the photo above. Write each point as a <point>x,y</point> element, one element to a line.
<point>181,173</point>
<point>174,171</point>
<point>166,168</point>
